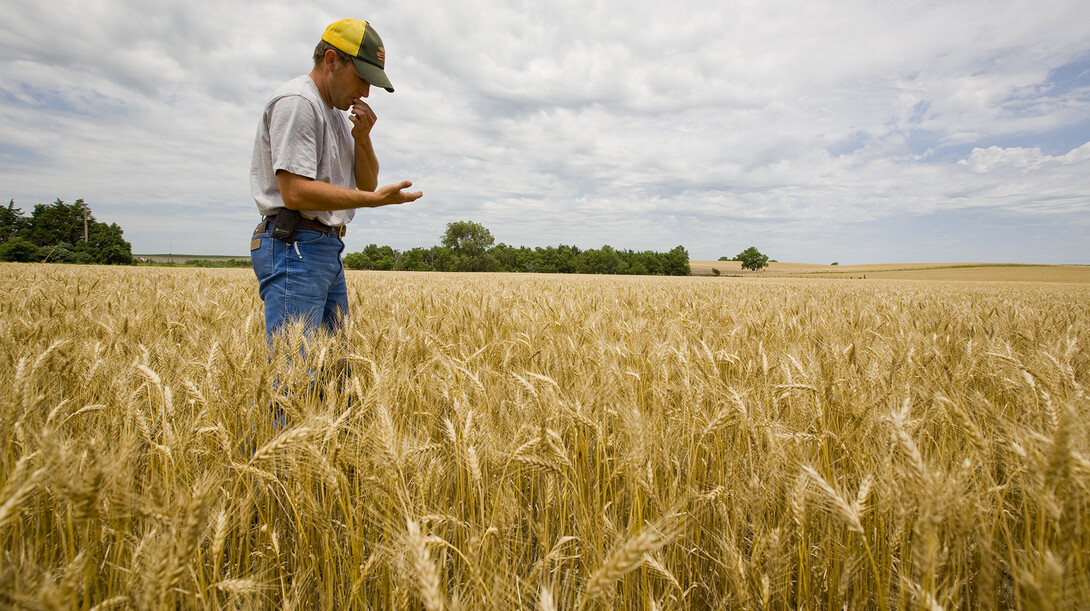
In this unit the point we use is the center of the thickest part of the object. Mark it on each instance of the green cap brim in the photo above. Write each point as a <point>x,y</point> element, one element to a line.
<point>373,74</point>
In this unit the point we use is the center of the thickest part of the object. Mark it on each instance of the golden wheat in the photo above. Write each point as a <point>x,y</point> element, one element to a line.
<point>517,441</point>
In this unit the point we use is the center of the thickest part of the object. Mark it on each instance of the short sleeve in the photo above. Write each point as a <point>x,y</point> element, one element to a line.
<point>295,136</point>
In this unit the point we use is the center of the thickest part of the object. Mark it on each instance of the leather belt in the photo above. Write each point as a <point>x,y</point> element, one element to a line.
<point>305,223</point>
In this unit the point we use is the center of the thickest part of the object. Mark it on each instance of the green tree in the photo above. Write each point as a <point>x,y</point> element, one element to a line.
<point>555,259</point>
<point>12,222</point>
<point>469,243</point>
<point>373,256</point>
<point>468,238</point>
<point>676,262</point>
<point>106,244</point>
<point>648,262</point>
<point>441,259</point>
<point>414,260</point>
<point>58,222</point>
<point>382,257</point>
<point>20,250</point>
<point>605,260</point>
<point>468,247</point>
<point>752,258</point>
<point>68,233</point>
<point>64,252</point>
<point>514,259</point>
<point>356,260</point>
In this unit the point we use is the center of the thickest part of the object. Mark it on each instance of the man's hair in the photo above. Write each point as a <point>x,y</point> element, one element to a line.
<point>323,46</point>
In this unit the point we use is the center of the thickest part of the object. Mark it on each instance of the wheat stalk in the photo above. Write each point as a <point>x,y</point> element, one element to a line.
<point>427,576</point>
<point>627,557</point>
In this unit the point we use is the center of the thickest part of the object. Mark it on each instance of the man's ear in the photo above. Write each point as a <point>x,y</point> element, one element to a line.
<point>330,58</point>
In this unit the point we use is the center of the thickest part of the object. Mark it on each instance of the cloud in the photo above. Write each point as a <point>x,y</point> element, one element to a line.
<point>995,158</point>
<point>638,124</point>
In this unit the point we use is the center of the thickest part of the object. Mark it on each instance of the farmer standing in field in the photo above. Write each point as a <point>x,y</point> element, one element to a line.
<point>313,165</point>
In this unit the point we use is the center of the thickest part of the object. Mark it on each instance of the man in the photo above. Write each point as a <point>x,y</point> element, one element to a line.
<point>313,165</point>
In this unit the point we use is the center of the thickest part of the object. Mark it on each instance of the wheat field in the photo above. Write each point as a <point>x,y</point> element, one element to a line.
<point>544,442</point>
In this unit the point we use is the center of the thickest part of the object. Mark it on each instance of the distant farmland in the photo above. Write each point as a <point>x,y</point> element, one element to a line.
<point>998,272</point>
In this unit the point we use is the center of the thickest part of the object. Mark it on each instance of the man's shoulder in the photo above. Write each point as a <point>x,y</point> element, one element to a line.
<point>299,88</point>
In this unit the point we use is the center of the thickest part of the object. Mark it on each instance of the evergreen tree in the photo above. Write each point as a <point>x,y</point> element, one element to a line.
<point>12,222</point>
<point>58,222</point>
<point>62,233</point>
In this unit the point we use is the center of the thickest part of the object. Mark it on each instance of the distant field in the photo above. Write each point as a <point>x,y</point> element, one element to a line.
<point>180,259</point>
<point>997,272</point>
<point>1001,272</point>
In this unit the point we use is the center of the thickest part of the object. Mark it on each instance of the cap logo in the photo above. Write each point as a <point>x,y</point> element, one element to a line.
<point>381,54</point>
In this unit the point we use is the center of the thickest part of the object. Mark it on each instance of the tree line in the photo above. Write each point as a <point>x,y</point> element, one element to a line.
<point>469,247</point>
<point>61,233</point>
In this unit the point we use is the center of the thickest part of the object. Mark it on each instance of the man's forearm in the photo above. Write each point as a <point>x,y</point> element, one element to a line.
<point>366,165</point>
<point>305,194</point>
<point>301,193</point>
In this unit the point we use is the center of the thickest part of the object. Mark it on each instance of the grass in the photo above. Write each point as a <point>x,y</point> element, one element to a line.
<point>548,442</point>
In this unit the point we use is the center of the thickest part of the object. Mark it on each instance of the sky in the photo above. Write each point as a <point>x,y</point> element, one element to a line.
<point>855,131</point>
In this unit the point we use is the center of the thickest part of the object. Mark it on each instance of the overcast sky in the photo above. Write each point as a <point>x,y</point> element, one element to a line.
<point>820,130</point>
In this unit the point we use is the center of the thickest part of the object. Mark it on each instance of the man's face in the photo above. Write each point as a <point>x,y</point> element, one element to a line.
<point>346,86</point>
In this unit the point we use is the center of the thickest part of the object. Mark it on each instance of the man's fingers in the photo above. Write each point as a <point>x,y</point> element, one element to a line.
<point>364,117</point>
<point>394,188</point>
<point>398,193</point>
<point>409,196</point>
<point>360,111</point>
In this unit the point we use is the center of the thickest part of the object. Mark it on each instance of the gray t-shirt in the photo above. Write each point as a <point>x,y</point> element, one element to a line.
<point>298,133</point>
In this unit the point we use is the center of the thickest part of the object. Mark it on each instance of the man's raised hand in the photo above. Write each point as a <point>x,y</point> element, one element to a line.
<point>396,194</point>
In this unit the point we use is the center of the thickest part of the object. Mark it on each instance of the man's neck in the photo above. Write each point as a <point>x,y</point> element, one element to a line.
<point>318,76</point>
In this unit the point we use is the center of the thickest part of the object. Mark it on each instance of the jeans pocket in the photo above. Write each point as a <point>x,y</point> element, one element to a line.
<point>262,258</point>
<point>309,236</point>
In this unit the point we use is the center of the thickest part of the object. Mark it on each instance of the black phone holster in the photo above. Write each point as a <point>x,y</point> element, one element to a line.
<point>285,225</point>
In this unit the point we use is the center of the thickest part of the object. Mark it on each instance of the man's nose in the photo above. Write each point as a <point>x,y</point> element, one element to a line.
<point>366,90</point>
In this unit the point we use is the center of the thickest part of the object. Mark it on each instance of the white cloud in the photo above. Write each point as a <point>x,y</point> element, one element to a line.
<point>996,158</point>
<point>638,124</point>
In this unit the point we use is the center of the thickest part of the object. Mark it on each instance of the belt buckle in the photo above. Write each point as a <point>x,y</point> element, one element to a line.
<point>343,229</point>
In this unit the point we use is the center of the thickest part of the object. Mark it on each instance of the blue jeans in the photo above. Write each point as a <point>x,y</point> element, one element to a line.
<point>302,280</point>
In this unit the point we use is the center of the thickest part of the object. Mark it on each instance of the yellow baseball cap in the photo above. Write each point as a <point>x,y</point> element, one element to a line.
<point>362,43</point>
